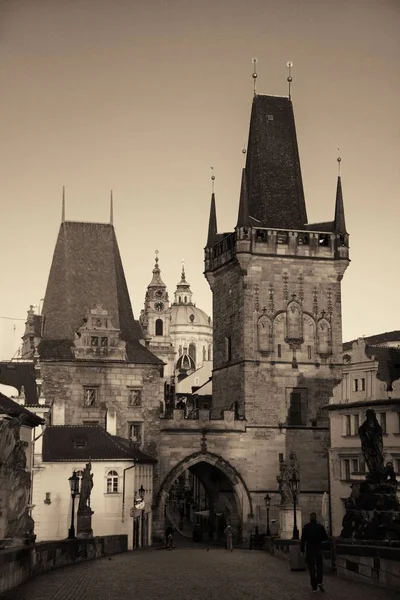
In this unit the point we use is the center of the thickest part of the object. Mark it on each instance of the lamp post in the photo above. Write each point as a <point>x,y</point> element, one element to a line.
<point>294,484</point>
<point>141,493</point>
<point>74,485</point>
<point>267,500</point>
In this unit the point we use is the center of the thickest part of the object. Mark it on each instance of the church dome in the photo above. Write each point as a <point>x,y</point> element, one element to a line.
<point>189,314</point>
<point>185,363</point>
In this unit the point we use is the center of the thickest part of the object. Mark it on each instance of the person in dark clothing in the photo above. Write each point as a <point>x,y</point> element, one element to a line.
<point>168,538</point>
<point>312,537</point>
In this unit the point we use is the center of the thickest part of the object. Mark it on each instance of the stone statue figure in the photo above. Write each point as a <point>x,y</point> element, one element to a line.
<point>294,467</point>
<point>283,480</point>
<point>86,488</point>
<point>370,434</point>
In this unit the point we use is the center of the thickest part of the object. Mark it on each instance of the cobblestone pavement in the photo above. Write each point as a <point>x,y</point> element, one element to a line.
<point>188,573</point>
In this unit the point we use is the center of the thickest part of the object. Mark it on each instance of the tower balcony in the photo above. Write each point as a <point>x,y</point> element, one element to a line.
<point>277,242</point>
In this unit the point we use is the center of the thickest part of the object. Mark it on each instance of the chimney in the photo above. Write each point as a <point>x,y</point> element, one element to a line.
<point>111,421</point>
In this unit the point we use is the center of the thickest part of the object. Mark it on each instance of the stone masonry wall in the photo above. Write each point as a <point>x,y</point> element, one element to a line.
<point>63,385</point>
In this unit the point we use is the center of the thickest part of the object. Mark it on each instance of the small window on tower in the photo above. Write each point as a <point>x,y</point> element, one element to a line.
<point>94,341</point>
<point>159,327</point>
<point>90,396</point>
<point>104,342</point>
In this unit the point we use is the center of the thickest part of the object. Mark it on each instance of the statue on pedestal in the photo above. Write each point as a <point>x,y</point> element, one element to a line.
<point>283,479</point>
<point>370,434</point>
<point>84,515</point>
<point>15,481</point>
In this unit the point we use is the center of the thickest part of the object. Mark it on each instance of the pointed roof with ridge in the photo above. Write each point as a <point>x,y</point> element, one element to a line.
<point>274,183</point>
<point>87,270</point>
<point>243,216</point>
<point>212,237</point>
<point>340,223</point>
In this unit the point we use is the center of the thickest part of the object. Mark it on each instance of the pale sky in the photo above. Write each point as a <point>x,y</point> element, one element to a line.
<point>143,97</point>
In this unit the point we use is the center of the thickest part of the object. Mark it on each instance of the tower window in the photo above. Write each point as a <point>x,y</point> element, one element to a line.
<point>159,327</point>
<point>228,348</point>
<point>104,342</point>
<point>135,432</point>
<point>185,299</point>
<point>135,397</point>
<point>309,352</point>
<point>90,396</point>
<point>279,351</point>
<point>192,352</point>
<point>295,416</point>
<point>94,341</point>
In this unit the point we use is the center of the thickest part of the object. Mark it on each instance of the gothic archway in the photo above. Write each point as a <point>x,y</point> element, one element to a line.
<point>239,504</point>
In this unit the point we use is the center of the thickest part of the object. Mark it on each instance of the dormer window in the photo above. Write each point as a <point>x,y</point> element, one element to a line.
<point>79,443</point>
<point>191,318</point>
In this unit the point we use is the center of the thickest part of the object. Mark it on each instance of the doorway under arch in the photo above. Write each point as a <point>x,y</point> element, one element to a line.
<point>224,498</point>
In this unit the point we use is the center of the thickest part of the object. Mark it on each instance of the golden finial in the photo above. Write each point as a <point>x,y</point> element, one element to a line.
<point>339,160</point>
<point>183,269</point>
<point>255,75</point>
<point>289,77</point>
<point>157,253</point>
<point>212,178</point>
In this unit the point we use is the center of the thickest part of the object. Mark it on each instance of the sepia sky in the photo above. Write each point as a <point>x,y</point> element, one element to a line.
<point>143,97</point>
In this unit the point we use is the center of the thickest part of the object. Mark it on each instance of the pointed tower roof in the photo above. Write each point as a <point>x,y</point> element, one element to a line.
<point>212,224</point>
<point>86,271</point>
<point>156,280</point>
<point>340,223</point>
<point>274,183</point>
<point>243,216</point>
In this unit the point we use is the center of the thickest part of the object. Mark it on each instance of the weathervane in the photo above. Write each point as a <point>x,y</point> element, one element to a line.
<point>255,75</point>
<point>289,77</point>
<point>157,253</point>
<point>339,160</point>
<point>212,178</point>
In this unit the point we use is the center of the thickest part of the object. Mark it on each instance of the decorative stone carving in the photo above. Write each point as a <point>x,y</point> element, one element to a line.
<point>294,323</point>
<point>315,301</point>
<point>97,337</point>
<point>324,337</point>
<point>256,298</point>
<point>271,306</point>
<point>283,479</point>
<point>264,330</point>
<point>285,278</point>
<point>15,484</point>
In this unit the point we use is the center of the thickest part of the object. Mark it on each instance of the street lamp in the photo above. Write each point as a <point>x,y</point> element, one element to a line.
<point>294,484</point>
<point>141,492</point>
<point>74,485</point>
<point>267,500</point>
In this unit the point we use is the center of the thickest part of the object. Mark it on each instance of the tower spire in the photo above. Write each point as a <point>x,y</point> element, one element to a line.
<point>63,206</point>
<point>212,223</point>
<point>111,208</point>
<point>255,75</point>
<point>340,223</point>
<point>289,77</point>
<point>243,215</point>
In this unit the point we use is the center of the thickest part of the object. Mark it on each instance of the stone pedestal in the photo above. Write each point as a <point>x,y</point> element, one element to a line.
<point>84,523</point>
<point>286,522</point>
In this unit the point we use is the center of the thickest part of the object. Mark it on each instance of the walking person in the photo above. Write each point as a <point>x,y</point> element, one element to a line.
<point>229,538</point>
<point>168,538</point>
<point>312,537</point>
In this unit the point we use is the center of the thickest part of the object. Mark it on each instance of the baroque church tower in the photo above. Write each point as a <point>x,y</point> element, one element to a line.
<point>155,321</point>
<point>277,309</point>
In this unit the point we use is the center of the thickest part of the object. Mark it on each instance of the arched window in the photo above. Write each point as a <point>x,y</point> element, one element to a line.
<point>159,327</point>
<point>185,299</point>
<point>192,351</point>
<point>112,482</point>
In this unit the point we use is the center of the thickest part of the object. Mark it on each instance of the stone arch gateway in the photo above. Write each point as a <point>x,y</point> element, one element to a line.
<point>241,495</point>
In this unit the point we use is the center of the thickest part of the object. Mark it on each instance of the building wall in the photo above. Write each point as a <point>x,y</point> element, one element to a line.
<point>64,383</point>
<point>52,521</point>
